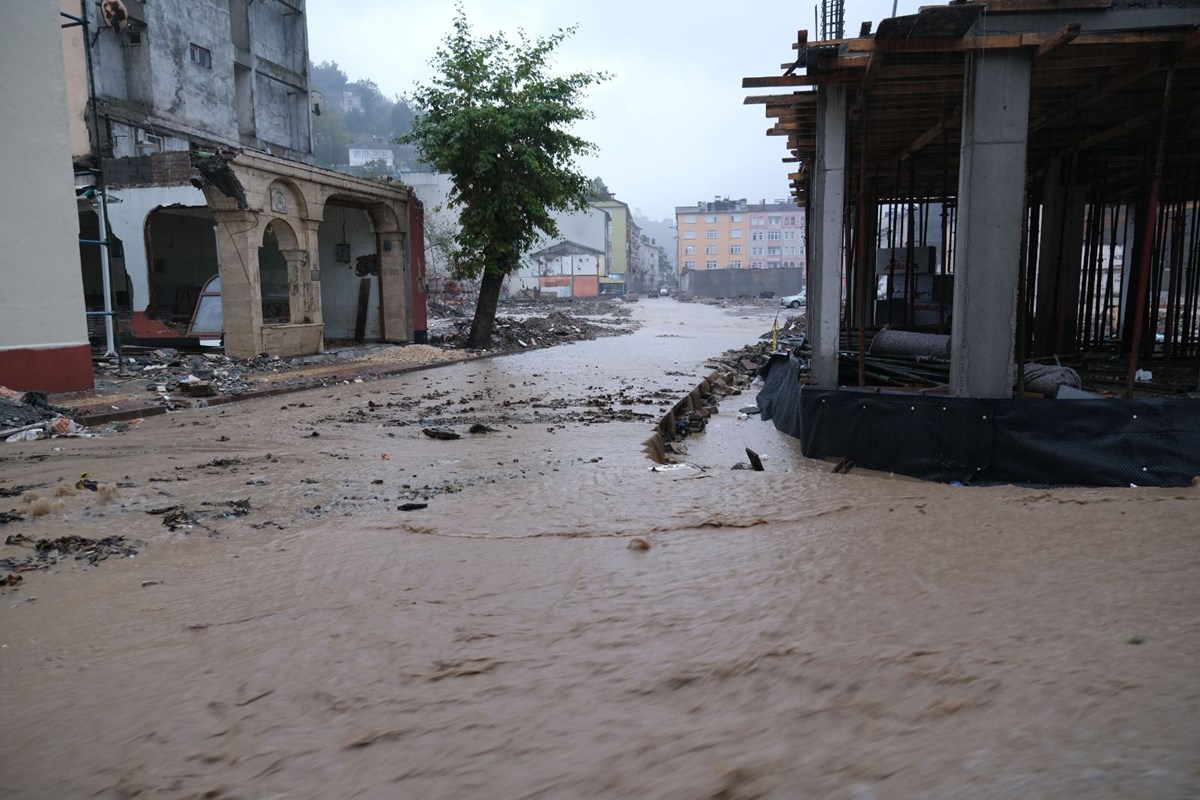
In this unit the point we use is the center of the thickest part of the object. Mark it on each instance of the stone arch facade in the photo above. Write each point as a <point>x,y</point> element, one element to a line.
<point>286,193</point>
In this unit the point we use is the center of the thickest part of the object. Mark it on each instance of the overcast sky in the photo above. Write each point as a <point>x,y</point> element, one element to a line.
<point>670,125</point>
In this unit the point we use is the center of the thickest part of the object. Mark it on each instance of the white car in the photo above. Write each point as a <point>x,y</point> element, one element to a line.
<point>793,300</point>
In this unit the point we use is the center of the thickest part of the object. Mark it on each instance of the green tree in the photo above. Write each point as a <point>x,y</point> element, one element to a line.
<point>499,123</point>
<point>331,138</point>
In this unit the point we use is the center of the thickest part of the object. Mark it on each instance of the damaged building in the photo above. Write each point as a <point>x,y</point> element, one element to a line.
<point>1011,187</point>
<point>219,226</point>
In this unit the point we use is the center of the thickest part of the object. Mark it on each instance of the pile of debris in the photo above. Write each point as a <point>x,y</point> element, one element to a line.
<point>169,372</point>
<point>48,552</point>
<point>511,333</point>
<point>21,409</point>
<point>27,417</point>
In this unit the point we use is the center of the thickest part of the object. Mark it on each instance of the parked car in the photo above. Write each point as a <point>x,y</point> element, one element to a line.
<point>793,300</point>
<point>664,291</point>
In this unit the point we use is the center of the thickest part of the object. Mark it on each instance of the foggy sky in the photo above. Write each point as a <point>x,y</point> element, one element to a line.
<point>670,125</point>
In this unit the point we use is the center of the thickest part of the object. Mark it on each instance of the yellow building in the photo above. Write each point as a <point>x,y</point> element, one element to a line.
<point>734,234</point>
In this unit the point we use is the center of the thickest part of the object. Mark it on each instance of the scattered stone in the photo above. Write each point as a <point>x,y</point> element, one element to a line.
<point>439,432</point>
<point>412,506</point>
<point>638,543</point>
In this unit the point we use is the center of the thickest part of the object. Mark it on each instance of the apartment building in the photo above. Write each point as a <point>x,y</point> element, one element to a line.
<point>734,234</point>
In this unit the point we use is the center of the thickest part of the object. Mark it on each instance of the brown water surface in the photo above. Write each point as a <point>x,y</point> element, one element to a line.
<point>792,633</point>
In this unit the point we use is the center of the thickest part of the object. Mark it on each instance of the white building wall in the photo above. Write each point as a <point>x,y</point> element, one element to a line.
<point>41,302</point>
<point>127,220</point>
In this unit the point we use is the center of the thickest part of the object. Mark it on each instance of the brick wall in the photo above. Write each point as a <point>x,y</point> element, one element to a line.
<point>160,169</point>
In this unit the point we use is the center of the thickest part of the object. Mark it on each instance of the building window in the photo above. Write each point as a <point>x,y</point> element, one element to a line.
<point>756,251</point>
<point>757,221</point>
<point>689,217</point>
<point>711,250</point>
<point>773,221</point>
<point>775,236</point>
<point>689,265</point>
<point>736,233</point>
<point>199,55</point>
<point>710,265</point>
<point>755,265</point>
<point>789,220</point>
<point>736,250</point>
<point>711,218</point>
<point>710,234</point>
<point>774,251</point>
<point>772,265</point>
<point>735,218</point>
<point>789,234</point>
<point>689,234</point>
<point>735,264</point>
<point>756,236</point>
<point>789,251</point>
<point>689,251</point>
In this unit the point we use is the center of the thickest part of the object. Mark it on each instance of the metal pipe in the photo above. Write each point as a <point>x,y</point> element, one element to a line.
<point>101,189</point>
<point>1149,213</point>
<point>861,238</point>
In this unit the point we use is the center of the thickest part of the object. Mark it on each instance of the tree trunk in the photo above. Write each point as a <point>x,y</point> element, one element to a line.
<point>485,311</point>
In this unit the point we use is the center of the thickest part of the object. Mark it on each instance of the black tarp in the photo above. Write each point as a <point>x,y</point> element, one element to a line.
<point>1105,442</point>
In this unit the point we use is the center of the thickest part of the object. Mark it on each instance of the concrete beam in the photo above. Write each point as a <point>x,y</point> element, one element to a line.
<point>991,198</point>
<point>828,204</point>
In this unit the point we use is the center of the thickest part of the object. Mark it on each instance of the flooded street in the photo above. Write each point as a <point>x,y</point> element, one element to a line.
<point>788,633</point>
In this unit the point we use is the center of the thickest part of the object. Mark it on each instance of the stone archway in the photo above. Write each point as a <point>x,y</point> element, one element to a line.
<point>274,274</point>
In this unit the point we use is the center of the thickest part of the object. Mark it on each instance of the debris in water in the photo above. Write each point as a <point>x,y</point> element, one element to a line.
<point>638,543</point>
<point>439,432</point>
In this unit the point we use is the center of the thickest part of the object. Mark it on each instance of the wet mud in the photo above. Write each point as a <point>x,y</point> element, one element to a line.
<point>555,619</point>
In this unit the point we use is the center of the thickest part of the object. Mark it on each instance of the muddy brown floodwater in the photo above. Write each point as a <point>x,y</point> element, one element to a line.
<point>791,633</point>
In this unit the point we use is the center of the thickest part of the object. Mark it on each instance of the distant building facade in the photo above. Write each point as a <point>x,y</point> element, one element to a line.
<point>734,234</point>
<point>568,269</point>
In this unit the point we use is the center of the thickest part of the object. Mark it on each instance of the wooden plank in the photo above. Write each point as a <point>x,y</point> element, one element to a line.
<point>1019,6</point>
<point>1065,36</point>
<point>951,120</point>
<point>769,81</point>
<point>773,99</point>
<point>1119,129</point>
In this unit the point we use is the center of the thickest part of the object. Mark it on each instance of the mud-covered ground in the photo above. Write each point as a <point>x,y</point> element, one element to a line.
<point>284,630</point>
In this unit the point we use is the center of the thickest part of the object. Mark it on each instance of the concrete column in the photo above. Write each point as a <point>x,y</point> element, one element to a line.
<point>991,195</point>
<point>828,204</point>
<point>1060,253</point>
<point>241,290</point>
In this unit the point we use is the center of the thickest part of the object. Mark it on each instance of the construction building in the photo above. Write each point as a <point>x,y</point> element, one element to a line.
<point>1054,144</point>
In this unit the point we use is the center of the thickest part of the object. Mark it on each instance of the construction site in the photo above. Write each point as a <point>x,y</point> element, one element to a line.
<point>1001,204</point>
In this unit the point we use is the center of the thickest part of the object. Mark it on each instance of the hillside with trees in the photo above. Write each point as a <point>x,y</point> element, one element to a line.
<point>357,112</point>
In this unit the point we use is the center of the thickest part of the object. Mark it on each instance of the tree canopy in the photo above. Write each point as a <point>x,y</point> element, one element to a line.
<point>499,123</point>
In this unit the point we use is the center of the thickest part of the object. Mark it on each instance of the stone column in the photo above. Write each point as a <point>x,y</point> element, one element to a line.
<point>301,288</point>
<point>241,290</point>
<point>828,204</point>
<point>311,272</point>
<point>991,195</point>
<point>394,288</point>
